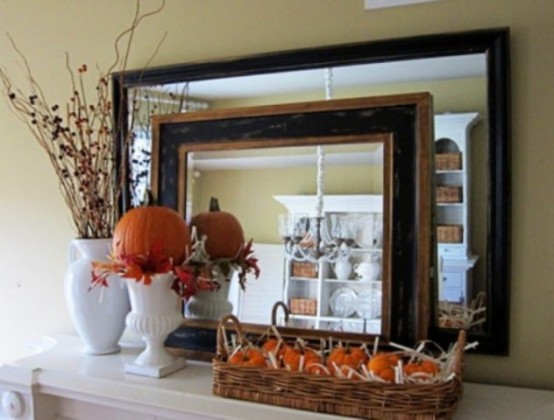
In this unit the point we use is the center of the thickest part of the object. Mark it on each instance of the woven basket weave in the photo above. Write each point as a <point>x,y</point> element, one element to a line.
<point>450,233</point>
<point>448,161</point>
<point>333,395</point>
<point>302,306</point>
<point>305,270</point>
<point>449,194</point>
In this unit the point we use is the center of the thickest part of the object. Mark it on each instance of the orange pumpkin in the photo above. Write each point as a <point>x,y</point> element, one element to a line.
<point>249,356</point>
<point>224,235</point>
<point>141,227</point>
<point>293,356</point>
<point>275,346</point>
<point>346,356</point>
<point>425,366</point>
<point>382,365</point>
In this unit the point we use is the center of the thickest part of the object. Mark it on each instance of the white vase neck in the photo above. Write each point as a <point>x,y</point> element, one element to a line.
<point>92,248</point>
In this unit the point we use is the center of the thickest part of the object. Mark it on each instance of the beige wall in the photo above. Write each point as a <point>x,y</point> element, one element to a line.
<point>470,95</point>
<point>35,227</point>
<point>248,194</point>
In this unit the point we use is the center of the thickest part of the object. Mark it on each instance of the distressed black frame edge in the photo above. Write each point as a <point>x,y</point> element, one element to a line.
<point>493,41</point>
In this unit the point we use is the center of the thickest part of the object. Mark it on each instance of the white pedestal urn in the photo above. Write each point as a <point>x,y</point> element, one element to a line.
<point>98,313</point>
<point>210,305</point>
<point>155,312</point>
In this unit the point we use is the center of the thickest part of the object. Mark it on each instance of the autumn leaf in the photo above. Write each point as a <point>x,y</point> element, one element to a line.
<point>134,266</point>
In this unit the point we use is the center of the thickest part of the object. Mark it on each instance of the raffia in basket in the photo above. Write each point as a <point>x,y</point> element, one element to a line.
<point>342,396</point>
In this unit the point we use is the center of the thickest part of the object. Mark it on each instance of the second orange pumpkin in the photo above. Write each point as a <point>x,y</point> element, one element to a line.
<point>224,235</point>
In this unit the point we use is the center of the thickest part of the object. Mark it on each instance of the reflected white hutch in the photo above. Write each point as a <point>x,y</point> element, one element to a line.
<point>452,180</point>
<point>332,302</point>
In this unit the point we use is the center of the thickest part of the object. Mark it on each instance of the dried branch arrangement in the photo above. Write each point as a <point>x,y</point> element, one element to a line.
<point>79,136</point>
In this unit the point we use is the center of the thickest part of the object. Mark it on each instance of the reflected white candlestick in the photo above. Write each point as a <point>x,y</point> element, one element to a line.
<point>320,179</point>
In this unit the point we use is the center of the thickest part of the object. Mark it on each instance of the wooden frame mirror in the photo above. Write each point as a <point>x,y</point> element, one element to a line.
<point>399,124</point>
<point>492,48</point>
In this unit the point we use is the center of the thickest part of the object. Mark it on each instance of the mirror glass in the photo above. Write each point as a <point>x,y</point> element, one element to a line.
<point>466,74</point>
<point>282,181</point>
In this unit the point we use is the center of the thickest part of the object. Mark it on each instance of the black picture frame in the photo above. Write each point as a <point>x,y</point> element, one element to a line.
<point>494,42</point>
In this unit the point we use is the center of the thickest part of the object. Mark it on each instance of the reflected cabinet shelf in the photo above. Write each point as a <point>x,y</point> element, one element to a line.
<point>343,295</point>
<point>452,180</point>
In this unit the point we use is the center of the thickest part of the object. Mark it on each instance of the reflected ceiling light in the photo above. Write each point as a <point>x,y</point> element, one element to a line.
<point>308,238</point>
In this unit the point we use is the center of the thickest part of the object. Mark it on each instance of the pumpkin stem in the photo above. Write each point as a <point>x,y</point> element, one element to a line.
<point>214,204</point>
<point>148,198</point>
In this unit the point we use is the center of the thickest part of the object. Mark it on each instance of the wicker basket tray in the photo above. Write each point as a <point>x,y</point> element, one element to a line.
<point>304,269</point>
<point>303,306</point>
<point>448,161</point>
<point>449,194</point>
<point>333,395</point>
<point>452,234</point>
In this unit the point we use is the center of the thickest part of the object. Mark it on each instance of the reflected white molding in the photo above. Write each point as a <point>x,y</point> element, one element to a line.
<point>264,162</point>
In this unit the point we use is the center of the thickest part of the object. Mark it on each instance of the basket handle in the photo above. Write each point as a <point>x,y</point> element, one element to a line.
<point>479,301</point>
<point>221,350</point>
<point>460,346</point>
<point>279,304</point>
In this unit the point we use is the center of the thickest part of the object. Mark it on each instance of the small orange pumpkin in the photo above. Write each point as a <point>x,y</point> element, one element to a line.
<point>224,235</point>
<point>270,345</point>
<point>382,365</point>
<point>294,355</point>
<point>141,227</point>
<point>346,356</point>
<point>275,346</point>
<point>249,356</point>
<point>425,366</point>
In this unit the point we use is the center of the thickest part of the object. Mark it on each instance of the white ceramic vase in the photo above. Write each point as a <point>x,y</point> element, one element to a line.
<point>210,305</point>
<point>343,268</point>
<point>98,314</point>
<point>368,270</point>
<point>155,313</point>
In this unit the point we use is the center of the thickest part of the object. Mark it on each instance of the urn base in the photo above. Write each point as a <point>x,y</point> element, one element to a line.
<point>155,371</point>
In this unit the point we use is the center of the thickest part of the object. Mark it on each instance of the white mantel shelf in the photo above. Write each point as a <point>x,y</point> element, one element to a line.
<point>69,384</point>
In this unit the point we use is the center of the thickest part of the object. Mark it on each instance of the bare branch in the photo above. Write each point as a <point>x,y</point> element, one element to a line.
<point>79,138</point>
